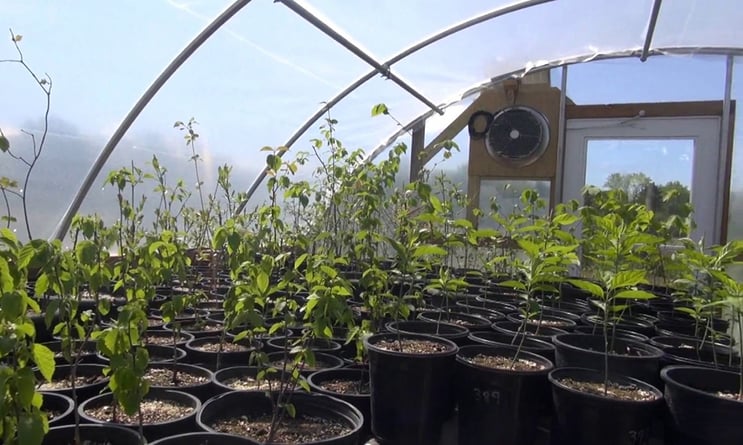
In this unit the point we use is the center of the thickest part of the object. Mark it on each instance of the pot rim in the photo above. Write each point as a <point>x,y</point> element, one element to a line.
<point>649,351</point>
<point>664,375</point>
<point>154,393</point>
<point>452,348</point>
<point>553,379</point>
<point>549,366</point>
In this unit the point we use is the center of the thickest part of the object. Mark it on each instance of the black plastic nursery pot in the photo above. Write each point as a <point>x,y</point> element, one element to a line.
<point>635,324</point>
<point>94,381</point>
<point>412,394</point>
<point>203,351</point>
<point>582,418</point>
<point>205,439</point>
<point>457,334</point>
<point>617,333</point>
<point>360,399</point>
<point>156,430</point>
<point>202,391</point>
<point>223,377</point>
<point>544,333</point>
<point>87,354</point>
<point>322,361</point>
<point>469,321</point>
<point>696,352</point>
<point>251,404</point>
<point>243,378</point>
<point>499,306</point>
<point>628,358</point>
<point>104,433</point>
<point>486,313</point>
<point>165,338</point>
<point>528,343</point>
<point>499,406</point>
<point>699,414</point>
<point>202,328</point>
<point>544,320</point>
<point>324,345</point>
<point>60,407</point>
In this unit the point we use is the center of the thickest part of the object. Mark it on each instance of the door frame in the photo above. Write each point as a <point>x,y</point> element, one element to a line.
<point>706,196</point>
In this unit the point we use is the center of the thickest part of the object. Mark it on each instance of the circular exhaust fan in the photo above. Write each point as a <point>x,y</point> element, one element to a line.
<point>515,134</point>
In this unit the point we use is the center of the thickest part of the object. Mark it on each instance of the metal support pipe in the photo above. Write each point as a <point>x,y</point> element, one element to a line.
<point>64,224</point>
<point>417,144</point>
<point>383,69</point>
<point>558,192</point>
<point>651,29</point>
<point>480,18</point>
<point>722,169</point>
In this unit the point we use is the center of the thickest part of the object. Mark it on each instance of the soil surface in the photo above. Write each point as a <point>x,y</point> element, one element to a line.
<point>500,362</point>
<point>614,391</point>
<point>66,383</point>
<point>197,327</point>
<point>341,386</point>
<point>161,340</point>
<point>155,322</point>
<point>52,414</point>
<point>412,346</point>
<point>164,377</point>
<point>319,364</point>
<point>153,411</point>
<point>160,357</point>
<point>549,323</point>
<point>226,347</point>
<point>246,384</point>
<point>298,430</point>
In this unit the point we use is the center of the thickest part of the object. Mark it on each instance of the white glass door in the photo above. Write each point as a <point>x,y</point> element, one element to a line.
<point>681,153</point>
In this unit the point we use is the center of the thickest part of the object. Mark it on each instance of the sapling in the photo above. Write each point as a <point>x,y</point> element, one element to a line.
<point>546,253</point>
<point>611,241</point>
<point>27,162</point>
<point>734,303</point>
<point>21,418</point>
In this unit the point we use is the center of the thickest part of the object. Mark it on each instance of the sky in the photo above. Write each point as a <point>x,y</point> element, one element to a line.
<point>267,70</point>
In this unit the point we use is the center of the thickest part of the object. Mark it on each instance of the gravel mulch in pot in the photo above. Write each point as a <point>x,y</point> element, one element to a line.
<point>153,411</point>
<point>614,390</point>
<point>500,362</point>
<point>298,430</point>
<point>163,376</point>
<point>412,346</point>
<point>343,386</point>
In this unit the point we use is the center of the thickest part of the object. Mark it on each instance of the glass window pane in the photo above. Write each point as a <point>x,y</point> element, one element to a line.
<point>503,196</point>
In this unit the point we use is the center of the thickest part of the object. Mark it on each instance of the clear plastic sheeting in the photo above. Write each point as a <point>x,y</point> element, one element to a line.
<point>699,23</point>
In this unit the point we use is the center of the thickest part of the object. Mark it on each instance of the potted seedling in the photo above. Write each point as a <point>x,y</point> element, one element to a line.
<point>616,375</point>
<point>20,405</point>
<point>703,402</point>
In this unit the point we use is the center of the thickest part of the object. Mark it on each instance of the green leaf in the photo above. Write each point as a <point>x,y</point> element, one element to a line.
<point>428,250</point>
<point>44,359</point>
<point>513,284</point>
<point>262,282</point>
<point>379,109</point>
<point>32,427</point>
<point>4,144</point>
<point>633,294</point>
<point>592,288</point>
<point>628,278</point>
<point>25,381</point>
<point>291,410</point>
<point>12,306</point>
